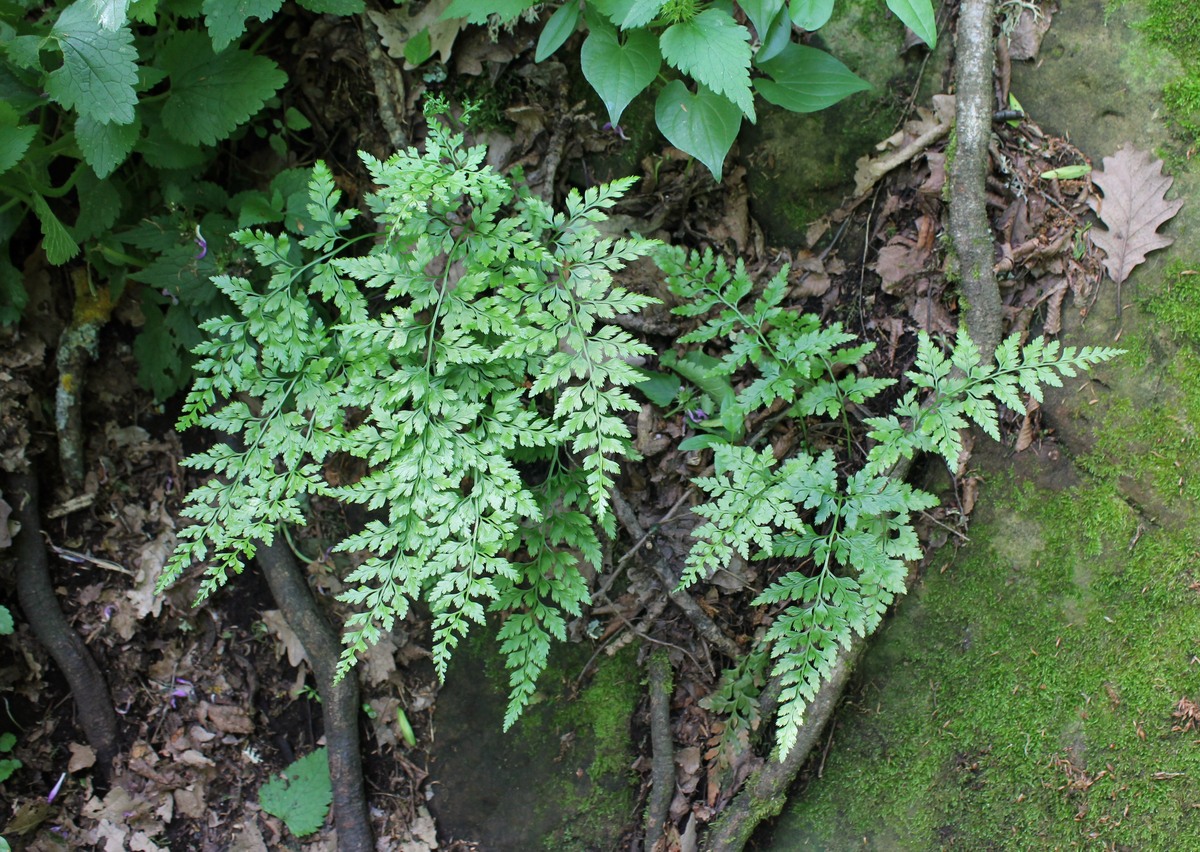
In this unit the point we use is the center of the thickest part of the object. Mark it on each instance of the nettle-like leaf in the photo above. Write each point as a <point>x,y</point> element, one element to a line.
<point>99,67</point>
<point>713,49</point>
<point>804,79</point>
<point>302,797</point>
<point>226,19</point>
<point>105,146</point>
<point>619,67</point>
<point>212,93</point>
<point>703,124</point>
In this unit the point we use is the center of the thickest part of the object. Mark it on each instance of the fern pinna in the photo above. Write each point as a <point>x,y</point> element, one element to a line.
<point>848,531</point>
<point>463,354</point>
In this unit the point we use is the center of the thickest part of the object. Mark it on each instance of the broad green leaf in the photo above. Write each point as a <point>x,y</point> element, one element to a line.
<point>111,14</point>
<point>701,442</point>
<point>614,10</point>
<point>418,48</point>
<point>779,36</point>
<point>301,799</point>
<point>105,146</point>
<point>226,19</point>
<point>557,30</point>
<point>56,242</point>
<point>293,119</point>
<point>619,72</point>
<point>918,16</point>
<point>660,388</point>
<point>641,13</point>
<point>478,11</point>
<point>6,629</point>
<point>807,80</point>
<point>704,124</point>
<point>14,142</point>
<point>211,94</point>
<point>99,68</point>
<point>24,51</point>
<point>761,13</point>
<point>811,15</point>
<point>714,49</point>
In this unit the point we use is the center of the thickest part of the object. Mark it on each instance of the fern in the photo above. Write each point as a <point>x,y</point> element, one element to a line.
<point>851,531</point>
<point>463,350</point>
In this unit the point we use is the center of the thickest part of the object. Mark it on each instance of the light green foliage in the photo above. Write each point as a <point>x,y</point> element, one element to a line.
<point>723,62</point>
<point>6,621</point>
<point>464,355</point>
<point>301,798</point>
<point>849,529</point>
<point>116,130</point>
<point>8,765</point>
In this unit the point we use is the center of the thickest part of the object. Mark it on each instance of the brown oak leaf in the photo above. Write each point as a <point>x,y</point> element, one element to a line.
<point>1133,208</point>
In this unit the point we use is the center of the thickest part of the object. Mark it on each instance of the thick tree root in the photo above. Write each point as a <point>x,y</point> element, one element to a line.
<point>766,790</point>
<point>970,228</point>
<point>662,773</point>
<point>340,703</point>
<point>36,593</point>
<point>76,347</point>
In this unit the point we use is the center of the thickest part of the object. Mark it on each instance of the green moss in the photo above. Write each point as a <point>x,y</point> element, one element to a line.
<point>1175,25</point>
<point>1006,701</point>
<point>1177,302</point>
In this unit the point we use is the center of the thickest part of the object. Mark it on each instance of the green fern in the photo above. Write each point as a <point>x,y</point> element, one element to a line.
<point>851,531</point>
<point>465,349</point>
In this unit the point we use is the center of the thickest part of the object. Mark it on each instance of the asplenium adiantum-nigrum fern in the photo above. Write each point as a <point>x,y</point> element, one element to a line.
<point>462,353</point>
<point>842,529</point>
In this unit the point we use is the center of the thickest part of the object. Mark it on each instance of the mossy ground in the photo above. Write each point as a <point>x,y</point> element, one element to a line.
<point>560,778</point>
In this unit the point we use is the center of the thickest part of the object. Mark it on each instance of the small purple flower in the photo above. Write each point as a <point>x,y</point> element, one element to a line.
<point>202,243</point>
<point>57,787</point>
<point>696,415</point>
<point>617,129</point>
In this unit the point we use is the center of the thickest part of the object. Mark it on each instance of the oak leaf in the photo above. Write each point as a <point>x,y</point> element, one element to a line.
<point>1133,208</point>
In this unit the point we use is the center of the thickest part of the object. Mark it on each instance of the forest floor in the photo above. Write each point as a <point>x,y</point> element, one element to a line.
<point>215,701</point>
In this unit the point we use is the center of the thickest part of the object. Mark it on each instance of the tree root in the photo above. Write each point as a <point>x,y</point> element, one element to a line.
<point>340,703</point>
<point>662,771</point>
<point>76,347</point>
<point>36,593</point>
<point>765,792</point>
<point>970,228</point>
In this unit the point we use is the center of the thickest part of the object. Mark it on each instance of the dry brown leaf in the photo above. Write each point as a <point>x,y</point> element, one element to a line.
<point>397,26</point>
<point>227,718</point>
<point>274,619</point>
<point>82,757</point>
<point>1133,208</point>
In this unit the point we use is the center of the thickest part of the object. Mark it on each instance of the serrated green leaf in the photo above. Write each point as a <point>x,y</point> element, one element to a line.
<point>99,68</point>
<point>105,146</point>
<point>714,49</point>
<point>811,15</point>
<point>761,13</point>
<point>56,242</point>
<point>301,799</point>
<point>14,142</point>
<point>226,19</point>
<point>478,11</point>
<point>110,14</point>
<point>99,206</point>
<point>640,13</point>
<point>24,51</point>
<point>918,16</point>
<point>619,71</point>
<point>704,125</point>
<point>211,94</point>
<point>558,29</point>
<point>805,79</point>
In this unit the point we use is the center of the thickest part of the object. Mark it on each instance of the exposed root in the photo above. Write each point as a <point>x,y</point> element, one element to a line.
<point>340,702</point>
<point>36,593</point>
<point>662,772</point>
